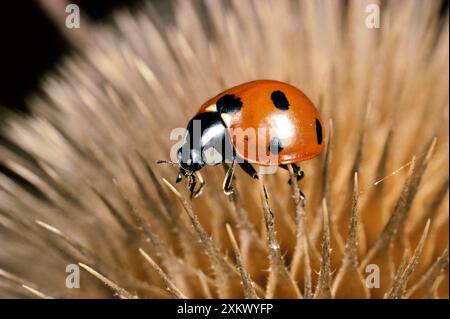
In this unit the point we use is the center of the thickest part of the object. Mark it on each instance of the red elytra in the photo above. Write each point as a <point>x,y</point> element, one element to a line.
<point>282,111</point>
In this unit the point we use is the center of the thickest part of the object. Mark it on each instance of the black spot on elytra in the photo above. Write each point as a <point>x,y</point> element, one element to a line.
<point>279,100</point>
<point>319,132</point>
<point>228,103</point>
<point>275,146</point>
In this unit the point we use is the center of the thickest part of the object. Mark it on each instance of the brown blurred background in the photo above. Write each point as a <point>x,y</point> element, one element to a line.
<point>31,44</point>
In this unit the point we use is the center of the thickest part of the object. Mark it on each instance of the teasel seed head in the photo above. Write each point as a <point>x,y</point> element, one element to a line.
<point>79,183</point>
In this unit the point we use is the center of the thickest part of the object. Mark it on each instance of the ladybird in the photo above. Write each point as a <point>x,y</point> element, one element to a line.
<point>263,122</point>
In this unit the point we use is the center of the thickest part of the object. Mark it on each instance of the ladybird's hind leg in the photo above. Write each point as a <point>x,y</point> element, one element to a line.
<point>299,175</point>
<point>297,172</point>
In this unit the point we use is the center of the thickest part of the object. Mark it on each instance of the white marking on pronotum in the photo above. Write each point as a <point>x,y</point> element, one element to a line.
<point>226,118</point>
<point>211,108</point>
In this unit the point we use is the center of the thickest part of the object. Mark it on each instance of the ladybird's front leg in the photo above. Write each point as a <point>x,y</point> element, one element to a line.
<point>201,183</point>
<point>179,176</point>
<point>192,185</point>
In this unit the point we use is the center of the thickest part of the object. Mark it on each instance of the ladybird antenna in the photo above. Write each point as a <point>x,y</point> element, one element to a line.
<point>167,162</point>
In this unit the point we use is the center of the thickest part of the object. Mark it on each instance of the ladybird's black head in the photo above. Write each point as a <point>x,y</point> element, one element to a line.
<point>206,142</point>
<point>204,131</point>
<point>189,155</point>
<point>189,158</point>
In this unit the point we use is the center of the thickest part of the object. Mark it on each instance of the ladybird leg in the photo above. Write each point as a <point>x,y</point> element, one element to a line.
<point>297,171</point>
<point>299,174</point>
<point>179,176</point>
<point>191,185</point>
<point>249,169</point>
<point>228,180</point>
<point>197,192</point>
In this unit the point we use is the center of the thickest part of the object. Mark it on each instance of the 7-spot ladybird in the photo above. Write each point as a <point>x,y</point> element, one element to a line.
<point>286,126</point>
